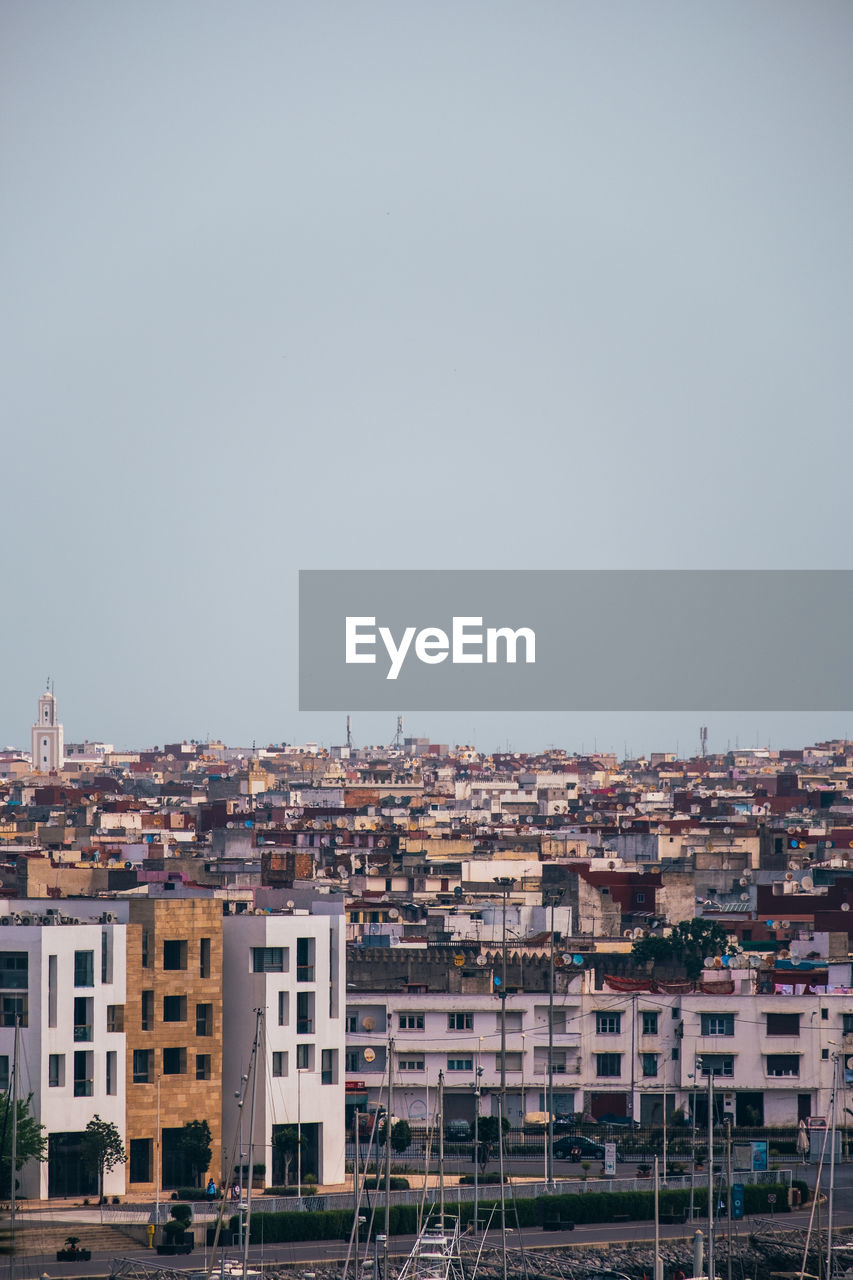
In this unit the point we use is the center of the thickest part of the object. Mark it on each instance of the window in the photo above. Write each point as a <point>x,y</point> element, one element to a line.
<point>717,1064</point>
<point>83,1015</point>
<point>106,955</point>
<point>608,1064</point>
<point>202,1066</point>
<point>115,1017</point>
<point>783,1024</point>
<point>279,1063</point>
<point>718,1024</point>
<point>204,1019</point>
<point>513,1020</point>
<point>4,1072</point>
<point>304,1013</point>
<point>204,958</point>
<point>84,968</point>
<point>409,1064</point>
<point>351,1023</point>
<point>174,953</point>
<point>824,1013</point>
<point>174,1008</point>
<point>51,990</point>
<point>329,1066</point>
<point>650,1024</point>
<point>56,1071</point>
<point>304,959</point>
<point>111,1071</point>
<point>783,1064</point>
<point>558,1022</point>
<point>174,1062</point>
<point>650,1063</point>
<point>147,1020</point>
<point>142,1066</point>
<point>639,896</point>
<point>83,1072</point>
<point>847,1023</point>
<point>14,967</point>
<point>411,1021</point>
<point>283,1008</point>
<point>513,1061</point>
<point>351,1060</point>
<point>140,1162</point>
<point>146,948</point>
<point>269,960</point>
<point>608,1024</point>
<point>14,1009</point>
<point>460,1022</point>
<point>824,1055</point>
<point>460,1064</point>
<point>305,1057</point>
<point>674,1053</point>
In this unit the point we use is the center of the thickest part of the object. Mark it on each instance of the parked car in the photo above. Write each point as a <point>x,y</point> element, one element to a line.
<point>577,1147</point>
<point>623,1122</point>
<point>457,1130</point>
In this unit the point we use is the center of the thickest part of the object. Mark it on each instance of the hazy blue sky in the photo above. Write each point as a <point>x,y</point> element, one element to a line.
<point>480,285</point>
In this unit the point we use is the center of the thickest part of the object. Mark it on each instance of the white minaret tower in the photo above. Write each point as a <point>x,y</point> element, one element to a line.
<point>48,741</point>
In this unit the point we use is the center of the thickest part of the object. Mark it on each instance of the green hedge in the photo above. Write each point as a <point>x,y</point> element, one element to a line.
<point>371,1183</point>
<point>592,1206</point>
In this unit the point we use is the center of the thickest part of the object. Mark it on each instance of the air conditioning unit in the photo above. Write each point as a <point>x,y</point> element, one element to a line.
<point>25,920</point>
<point>5,919</point>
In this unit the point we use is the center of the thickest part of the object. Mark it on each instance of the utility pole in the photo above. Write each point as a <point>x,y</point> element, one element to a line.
<point>836,1060</point>
<point>388,1123</point>
<point>441,1149</point>
<point>549,1147</point>
<point>355,1178</point>
<point>729,1189</point>
<point>504,883</point>
<point>477,1149</point>
<point>712,1275</point>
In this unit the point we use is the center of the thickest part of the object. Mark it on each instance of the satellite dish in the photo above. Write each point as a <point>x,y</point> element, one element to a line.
<point>784,955</point>
<point>727,830</point>
<point>743,880</point>
<point>369,1055</point>
<point>849,1064</point>
<point>786,924</point>
<point>708,962</point>
<point>368,1023</point>
<point>755,962</point>
<point>393,914</point>
<point>459,959</point>
<point>567,957</point>
<point>641,871</point>
<point>577,959</point>
<point>744,897</point>
<point>845,906</point>
<point>480,961</point>
<point>718,964</point>
<point>290,904</point>
<point>807,882</point>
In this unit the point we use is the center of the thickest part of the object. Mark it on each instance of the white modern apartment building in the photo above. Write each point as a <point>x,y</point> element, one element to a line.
<point>290,966</point>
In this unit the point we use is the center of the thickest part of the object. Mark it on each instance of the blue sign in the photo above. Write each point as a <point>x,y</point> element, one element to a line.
<point>738,1199</point>
<point>759,1157</point>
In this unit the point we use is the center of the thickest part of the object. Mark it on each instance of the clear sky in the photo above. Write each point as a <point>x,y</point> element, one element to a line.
<point>334,285</point>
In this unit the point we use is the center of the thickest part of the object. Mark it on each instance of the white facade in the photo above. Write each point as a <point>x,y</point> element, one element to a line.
<point>291,967</point>
<point>64,982</point>
<point>47,737</point>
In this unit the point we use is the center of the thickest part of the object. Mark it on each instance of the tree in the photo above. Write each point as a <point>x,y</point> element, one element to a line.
<point>688,944</point>
<point>287,1144</point>
<point>102,1149</point>
<point>31,1140</point>
<point>401,1136</point>
<point>487,1138</point>
<point>194,1145</point>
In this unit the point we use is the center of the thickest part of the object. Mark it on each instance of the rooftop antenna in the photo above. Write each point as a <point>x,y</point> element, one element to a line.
<point>349,735</point>
<point>703,741</point>
<point>398,736</point>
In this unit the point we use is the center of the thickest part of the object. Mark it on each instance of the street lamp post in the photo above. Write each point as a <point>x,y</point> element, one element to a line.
<point>504,883</point>
<point>476,1088</point>
<point>553,899</point>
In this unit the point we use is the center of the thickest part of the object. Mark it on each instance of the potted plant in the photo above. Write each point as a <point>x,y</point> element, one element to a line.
<point>177,1237</point>
<point>71,1252</point>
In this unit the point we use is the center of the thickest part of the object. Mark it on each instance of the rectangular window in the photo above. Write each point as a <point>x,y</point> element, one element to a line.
<point>140,1163</point>
<point>608,1065</point>
<point>460,1022</point>
<point>146,948</point>
<point>514,1020</point>
<point>718,1024</point>
<point>106,955</point>
<point>142,1066</point>
<point>147,1021</point>
<point>304,959</point>
<point>460,1064</point>
<point>202,1066</point>
<point>304,1013</point>
<point>410,1021</point>
<point>174,1062</point>
<point>283,1008</point>
<point>847,1023</point>
<point>51,990</point>
<point>608,1024</point>
<point>408,1064</point>
<point>4,1072</point>
<point>56,1071</point>
<point>174,1008</point>
<point>351,1060</point>
<point>84,1085</point>
<point>204,958</point>
<point>783,1064</point>
<point>351,1026</point>
<point>783,1024</point>
<point>513,1061</point>
<point>83,1016</point>
<point>305,1057</point>
<point>279,1063</point>
<point>717,1064</point>
<point>204,1019</point>
<point>650,1063</point>
<point>269,960</point>
<point>84,968</point>
<point>14,970</point>
<point>329,1066</point>
<point>174,953</point>
<point>111,1071</point>
<point>115,1017</point>
<point>14,1009</point>
<point>650,1024</point>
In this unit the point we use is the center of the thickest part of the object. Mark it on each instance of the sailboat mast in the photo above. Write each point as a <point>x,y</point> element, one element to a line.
<point>253,1067</point>
<point>14,1147</point>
